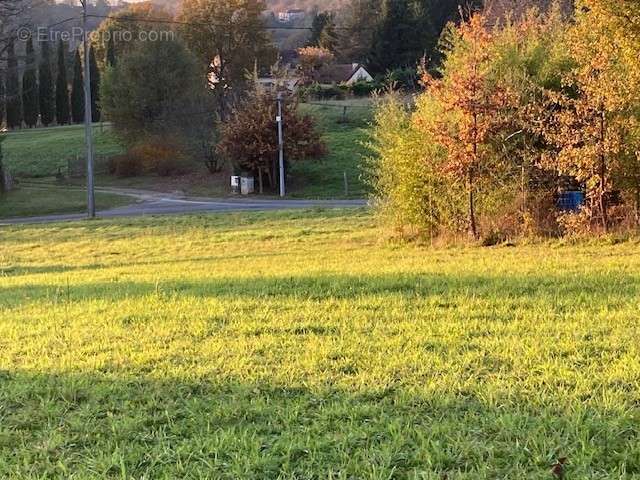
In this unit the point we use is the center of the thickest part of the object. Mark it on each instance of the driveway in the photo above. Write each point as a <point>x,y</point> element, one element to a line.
<point>153,203</point>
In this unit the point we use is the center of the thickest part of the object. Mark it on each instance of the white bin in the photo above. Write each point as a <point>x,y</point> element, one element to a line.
<point>246,185</point>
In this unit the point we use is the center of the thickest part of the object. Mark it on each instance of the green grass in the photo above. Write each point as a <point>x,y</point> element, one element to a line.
<point>324,178</point>
<point>297,345</point>
<point>42,152</point>
<point>32,200</point>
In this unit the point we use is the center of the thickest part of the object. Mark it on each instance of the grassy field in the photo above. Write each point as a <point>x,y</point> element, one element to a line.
<point>30,200</point>
<point>324,178</point>
<point>298,346</point>
<point>43,152</point>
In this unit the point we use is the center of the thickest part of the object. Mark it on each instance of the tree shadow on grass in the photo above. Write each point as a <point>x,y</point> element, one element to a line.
<point>104,426</point>
<point>612,289</point>
<point>20,270</point>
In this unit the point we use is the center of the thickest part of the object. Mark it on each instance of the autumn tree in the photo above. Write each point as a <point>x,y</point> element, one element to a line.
<point>249,139</point>
<point>312,59</point>
<point>473,111</point>
<point>589,120</point>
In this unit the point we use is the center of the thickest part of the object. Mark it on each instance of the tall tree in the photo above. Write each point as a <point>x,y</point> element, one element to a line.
<point>77,90</point>
<point>30,88</point>
<point>14,104</point>
<point>396,37</point>
<point>129,25</point>
<point>229,37</point>
<point>154,91</point>
<point>323,32</point>
<point>473,111</point>
<point>359,21</point>
<point>95,86</point>
<point>62,88</point>
<point>45,86</point>
<point>318,23</point>
<point>593,119</point>
<point>329,35</point>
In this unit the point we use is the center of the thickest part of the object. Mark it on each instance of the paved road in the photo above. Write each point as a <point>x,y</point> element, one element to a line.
<point>152,203</point>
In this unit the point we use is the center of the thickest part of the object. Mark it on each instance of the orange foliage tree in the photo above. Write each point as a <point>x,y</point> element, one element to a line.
<point>313,59</point>
<point>474,110</point>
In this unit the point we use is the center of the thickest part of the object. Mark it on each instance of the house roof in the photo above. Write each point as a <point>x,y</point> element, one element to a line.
<point>336,73</point>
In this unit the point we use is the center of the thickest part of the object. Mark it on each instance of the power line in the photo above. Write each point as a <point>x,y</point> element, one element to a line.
<point>197,24</point>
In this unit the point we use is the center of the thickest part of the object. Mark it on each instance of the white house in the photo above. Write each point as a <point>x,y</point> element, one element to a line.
<point>291,15</point>
<point>342,73</point>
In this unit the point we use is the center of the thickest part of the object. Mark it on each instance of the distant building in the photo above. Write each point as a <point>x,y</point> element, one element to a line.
<point>273,85</point>
<point>347,74</point>
<point>292,15</point>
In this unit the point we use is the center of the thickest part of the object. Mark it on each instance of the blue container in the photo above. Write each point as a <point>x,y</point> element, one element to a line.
<point>570,201</point>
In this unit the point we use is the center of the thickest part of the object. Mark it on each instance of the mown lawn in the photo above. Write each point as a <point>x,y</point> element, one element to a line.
<point>34,200</point>
<point>299,345</point>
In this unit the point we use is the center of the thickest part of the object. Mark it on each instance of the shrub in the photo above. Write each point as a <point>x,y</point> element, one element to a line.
<point>364,89</point>
<point>125,165</point>
<point>323,92</point>
<point>401,79</point>
<point>161,156</point>
<point>404,172</point>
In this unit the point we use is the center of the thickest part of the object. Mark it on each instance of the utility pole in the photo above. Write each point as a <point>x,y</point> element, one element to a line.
<point>88,134</point>
<point>280,121</point>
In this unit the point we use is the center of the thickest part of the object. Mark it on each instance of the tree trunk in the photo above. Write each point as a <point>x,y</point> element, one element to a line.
<point>637,203</point>
<point>603,172</point>
<point>260,180</point>
<point>473,230</point>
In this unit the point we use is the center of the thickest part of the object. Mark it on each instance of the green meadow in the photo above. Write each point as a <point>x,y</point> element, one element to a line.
<point>45,152</point>
<point>302,345</point>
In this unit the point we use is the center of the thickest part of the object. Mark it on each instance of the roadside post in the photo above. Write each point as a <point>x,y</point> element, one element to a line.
<point>88,134</point>
<point>280,121</point>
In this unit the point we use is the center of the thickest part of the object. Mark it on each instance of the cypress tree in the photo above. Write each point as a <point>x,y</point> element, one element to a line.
<point>320,20</point>
<point>111,53</point>
<point>3,107</point>
<point>45,86</point>
<point>95,86</point>
<point>329,37</point>
<point>30,88</point>
<point>62,88</point>
<point>77,91</point>
<point>14,107</point>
